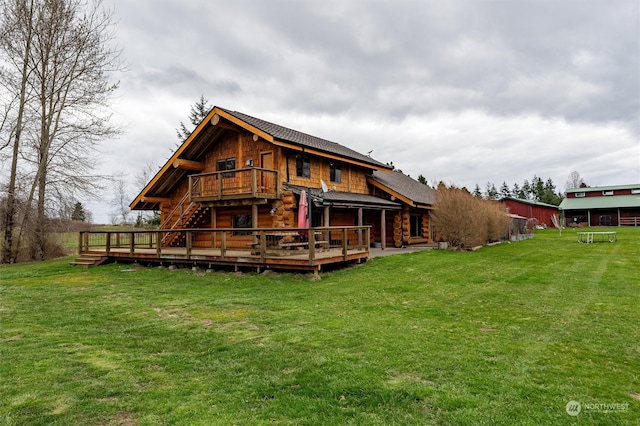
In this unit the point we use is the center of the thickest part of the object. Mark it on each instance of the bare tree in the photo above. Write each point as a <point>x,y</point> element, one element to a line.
<point>574,180</point>
<point>16,36</point>
<point>66,68</point>
<point>120,203</point>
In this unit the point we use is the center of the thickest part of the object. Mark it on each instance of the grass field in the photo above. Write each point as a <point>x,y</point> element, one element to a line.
<point>506,335</point>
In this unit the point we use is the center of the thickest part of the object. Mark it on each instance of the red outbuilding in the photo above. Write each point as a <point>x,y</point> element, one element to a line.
<point>542,212</point>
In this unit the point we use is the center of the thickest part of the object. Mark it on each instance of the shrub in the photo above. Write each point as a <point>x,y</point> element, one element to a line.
<point>466,221</point>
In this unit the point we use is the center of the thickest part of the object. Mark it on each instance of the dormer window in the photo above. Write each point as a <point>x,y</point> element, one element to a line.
<point>607,192</point>
<point>579,194</point>
<point>635,191</point>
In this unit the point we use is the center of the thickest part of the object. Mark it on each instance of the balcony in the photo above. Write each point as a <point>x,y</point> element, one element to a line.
<point>234,185</point>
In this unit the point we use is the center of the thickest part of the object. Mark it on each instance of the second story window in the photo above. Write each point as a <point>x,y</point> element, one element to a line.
<point>227,164</point>
<point>303,165</point>
<point>335,172</point>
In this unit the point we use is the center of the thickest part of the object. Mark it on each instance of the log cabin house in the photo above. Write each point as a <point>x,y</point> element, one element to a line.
<point>238,171</point>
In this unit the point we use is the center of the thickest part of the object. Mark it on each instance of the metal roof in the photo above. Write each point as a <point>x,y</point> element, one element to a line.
<point>601,202</point>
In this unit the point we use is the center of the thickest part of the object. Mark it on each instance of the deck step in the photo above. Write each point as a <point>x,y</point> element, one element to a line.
<point>87,260</point>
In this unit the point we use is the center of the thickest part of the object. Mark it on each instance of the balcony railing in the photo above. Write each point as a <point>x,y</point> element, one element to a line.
<point>234,184</point>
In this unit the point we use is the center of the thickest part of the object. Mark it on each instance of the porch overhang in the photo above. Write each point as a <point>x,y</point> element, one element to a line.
<point>348,200</point>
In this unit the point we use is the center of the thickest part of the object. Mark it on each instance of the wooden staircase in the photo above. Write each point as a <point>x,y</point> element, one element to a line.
<point>87,260</point>
<point>191,217</point>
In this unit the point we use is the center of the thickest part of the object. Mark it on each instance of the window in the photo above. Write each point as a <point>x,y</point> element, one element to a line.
<point>227,164</point>
<point>607,192</point>
<point>303,165</point>
<point>579,194</point>
<point>335,172</point>
<point>242,221</point>
<point>415,223</point>
<point>635,191</point>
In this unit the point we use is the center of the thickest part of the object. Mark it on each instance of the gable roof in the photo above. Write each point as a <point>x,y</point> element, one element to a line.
<point>206,132</point>
<point>404,187</point>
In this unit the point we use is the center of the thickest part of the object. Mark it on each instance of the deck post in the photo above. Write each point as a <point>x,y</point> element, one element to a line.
<point>132,242</point>
<point>86,241</point>
<point>263,246</point>
<point>312,246</point>
<point>254,182</point>
<point>80,234</point>
<point>189,243</point>
<point>344,243</point>
<point>158,243</point>
<point>383,229</point>
<point>367,233</point>
<point>360,229</point>
<point>223,245</point>
<point>108,243</point>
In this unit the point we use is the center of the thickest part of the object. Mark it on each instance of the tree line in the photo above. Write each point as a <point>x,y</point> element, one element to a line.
<point>537,189</point>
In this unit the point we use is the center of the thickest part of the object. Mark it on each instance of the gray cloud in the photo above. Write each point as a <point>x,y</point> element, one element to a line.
<point>464,91</point>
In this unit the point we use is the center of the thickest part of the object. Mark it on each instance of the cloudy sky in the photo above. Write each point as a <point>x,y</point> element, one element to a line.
<point>464,91</point>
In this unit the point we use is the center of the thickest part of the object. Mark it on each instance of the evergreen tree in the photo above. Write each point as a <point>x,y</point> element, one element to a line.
<point>477,192</point>
<point>422,180</point>
<point>517,192</point>
<point>198,112</point>
<point>504,190</point>
<point>537,188</point>
<point>78,212</point>
<point>526,190</point>
<point>491,191</point>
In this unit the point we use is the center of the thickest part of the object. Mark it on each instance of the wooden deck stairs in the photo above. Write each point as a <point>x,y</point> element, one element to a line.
<point>87,260</point>
<point>191,217</point>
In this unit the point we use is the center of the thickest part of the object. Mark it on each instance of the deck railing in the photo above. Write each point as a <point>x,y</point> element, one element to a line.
<point>259,243</point>
<point>233,184</point>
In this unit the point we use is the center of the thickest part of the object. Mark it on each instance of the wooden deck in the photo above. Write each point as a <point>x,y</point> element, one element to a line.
<point>258,249</point>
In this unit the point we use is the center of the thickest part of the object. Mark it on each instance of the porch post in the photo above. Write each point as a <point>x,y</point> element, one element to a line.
<point>213,226</point>
<point>254,215</point>
<point>360,229</point>
<point>383,229</point>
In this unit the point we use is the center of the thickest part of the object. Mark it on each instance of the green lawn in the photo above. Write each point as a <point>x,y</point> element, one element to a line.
<point>505,335</point>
